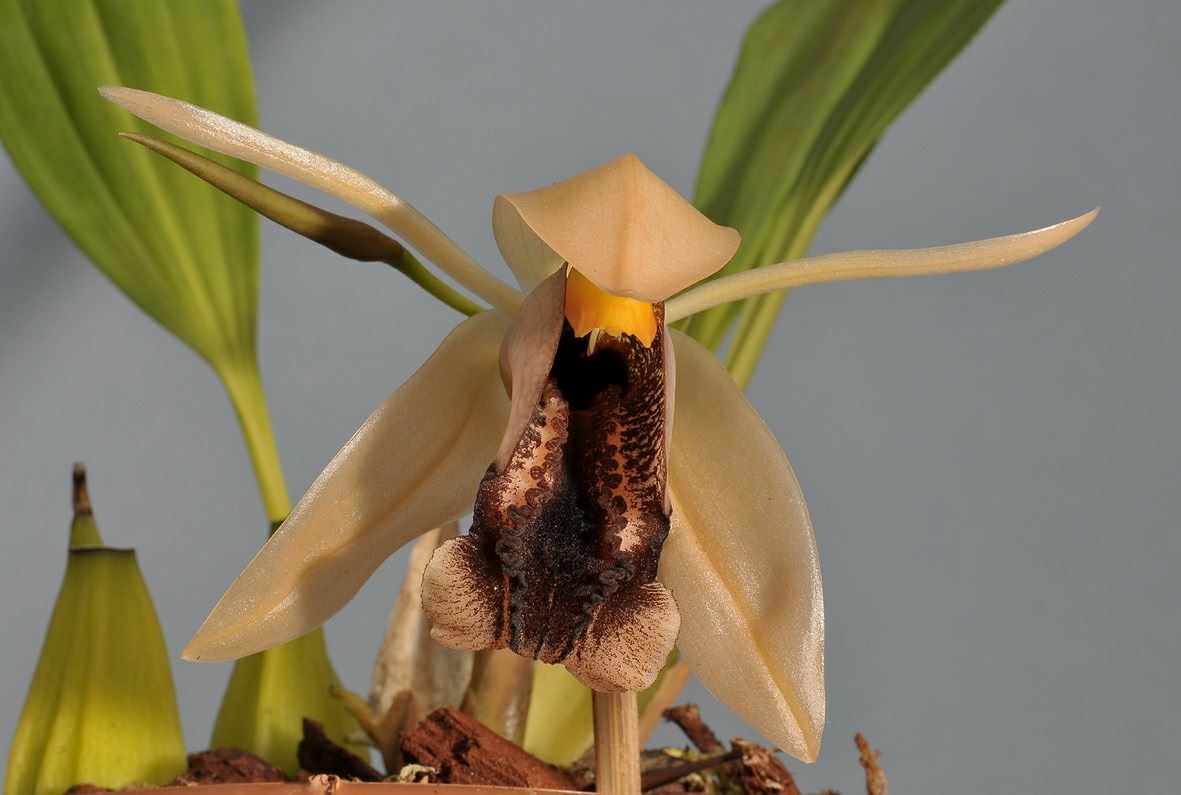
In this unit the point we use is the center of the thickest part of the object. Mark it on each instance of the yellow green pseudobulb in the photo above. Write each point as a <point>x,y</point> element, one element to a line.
<point>101,708</point>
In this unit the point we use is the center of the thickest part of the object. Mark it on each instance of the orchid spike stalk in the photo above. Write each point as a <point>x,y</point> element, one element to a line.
<point>603,531</point>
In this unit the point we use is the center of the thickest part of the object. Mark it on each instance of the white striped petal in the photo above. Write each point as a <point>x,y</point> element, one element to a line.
<point>741,560</point>
<point>995,252</point>
<point>216,132</point>
<point>414,465</point>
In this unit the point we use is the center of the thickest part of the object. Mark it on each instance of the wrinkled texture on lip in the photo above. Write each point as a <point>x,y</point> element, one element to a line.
<point>561,560</point>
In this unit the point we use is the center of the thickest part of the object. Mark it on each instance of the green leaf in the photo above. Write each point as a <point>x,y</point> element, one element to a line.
<point>101,707</point>
<point>560,725</point>
<point>817,84</point>
<point>179,248</point>
<point>271,692</point>
<point>185,254</point>
<point>182,251</point>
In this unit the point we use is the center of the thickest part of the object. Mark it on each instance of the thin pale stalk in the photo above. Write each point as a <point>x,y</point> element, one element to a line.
<point>500,690</point>
<point>617,743</point>
<point>709,325</point>
<point>759,312</point>
<point>244,386</point>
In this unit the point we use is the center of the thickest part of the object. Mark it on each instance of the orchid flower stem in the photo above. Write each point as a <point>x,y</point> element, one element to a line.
<point>617,743</point>
<point>415,271</point>
<point>244,387</point>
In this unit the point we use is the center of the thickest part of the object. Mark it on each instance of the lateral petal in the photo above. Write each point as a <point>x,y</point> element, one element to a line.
<point>414,465</point>
<point>995,252</point>
<point>741,560</point>
<point>216,132</point>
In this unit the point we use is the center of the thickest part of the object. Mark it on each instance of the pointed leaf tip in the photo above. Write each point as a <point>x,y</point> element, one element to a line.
<point>101,707</point>
<point>80,496</point>
<point>83,527</point>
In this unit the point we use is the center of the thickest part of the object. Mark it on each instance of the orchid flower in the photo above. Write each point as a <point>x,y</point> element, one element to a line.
<point>603,532</point>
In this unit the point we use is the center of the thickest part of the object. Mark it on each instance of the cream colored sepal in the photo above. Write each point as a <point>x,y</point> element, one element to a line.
<point>741,560</point>
<point>619,224</point>
<point>413,465</point>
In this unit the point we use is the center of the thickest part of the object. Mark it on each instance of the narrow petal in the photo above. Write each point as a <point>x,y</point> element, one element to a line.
<point>414,465</point>
<point>619,224</point>
<point>216,132</point>
<point>741,560</point>
<point>980,255</point>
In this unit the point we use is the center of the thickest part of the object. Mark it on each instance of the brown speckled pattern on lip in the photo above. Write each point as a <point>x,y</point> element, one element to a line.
<point>560,563</point>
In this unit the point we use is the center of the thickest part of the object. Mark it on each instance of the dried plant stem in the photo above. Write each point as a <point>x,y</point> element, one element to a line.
<point>617,743</point>
<point>659,778</point>
<point>876,782</point>
<point>80,495</point>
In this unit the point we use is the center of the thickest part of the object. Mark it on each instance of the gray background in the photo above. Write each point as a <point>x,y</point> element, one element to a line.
<point>991,460</point>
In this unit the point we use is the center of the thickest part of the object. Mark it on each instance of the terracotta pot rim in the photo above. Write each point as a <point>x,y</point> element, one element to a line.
<point>331,785</point>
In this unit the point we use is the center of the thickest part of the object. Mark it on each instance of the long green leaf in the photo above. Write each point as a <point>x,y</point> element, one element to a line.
<point>817,84</point>
<point>182,251</point>
<point>187,255</point>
